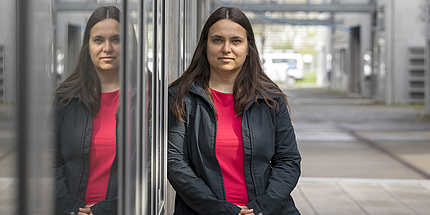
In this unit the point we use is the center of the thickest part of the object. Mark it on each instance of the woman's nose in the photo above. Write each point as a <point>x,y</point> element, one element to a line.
<point>108,46</point>
<point>226,48</point>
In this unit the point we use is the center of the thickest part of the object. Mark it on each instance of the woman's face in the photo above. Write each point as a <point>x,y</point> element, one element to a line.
<point>104,46</point>
<point>227,47</point>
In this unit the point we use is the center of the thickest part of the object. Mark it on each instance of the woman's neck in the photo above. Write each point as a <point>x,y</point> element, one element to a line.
<point>109,82</point>
<point>222,84</point>
<point>110,87</point>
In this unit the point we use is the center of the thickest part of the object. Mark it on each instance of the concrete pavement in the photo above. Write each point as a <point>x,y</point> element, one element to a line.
<point>360,157</point>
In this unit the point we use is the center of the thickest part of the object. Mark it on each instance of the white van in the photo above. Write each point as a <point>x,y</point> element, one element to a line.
<point>282,66</point>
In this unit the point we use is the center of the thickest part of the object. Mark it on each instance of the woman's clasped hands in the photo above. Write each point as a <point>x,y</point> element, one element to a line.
<point>85,210</point>
<point>246,211</point>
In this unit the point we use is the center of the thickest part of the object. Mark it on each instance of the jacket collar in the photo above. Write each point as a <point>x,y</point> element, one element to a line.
<point>64,94</point>
<point>197,88</point>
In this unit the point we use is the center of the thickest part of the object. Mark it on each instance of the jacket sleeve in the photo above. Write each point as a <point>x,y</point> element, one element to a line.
<point>191,188</point>
<point>285,170</point>
<point>66,202</point>
<point>106,207</point>
<point>110,206</point>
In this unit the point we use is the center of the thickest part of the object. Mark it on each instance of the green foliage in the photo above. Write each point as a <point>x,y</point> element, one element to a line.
<point>309,78</point>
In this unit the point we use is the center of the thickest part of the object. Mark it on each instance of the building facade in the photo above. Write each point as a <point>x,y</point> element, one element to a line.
<point>382,54</point>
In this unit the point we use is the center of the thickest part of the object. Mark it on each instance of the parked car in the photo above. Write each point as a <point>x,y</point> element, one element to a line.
<point>283,66</point>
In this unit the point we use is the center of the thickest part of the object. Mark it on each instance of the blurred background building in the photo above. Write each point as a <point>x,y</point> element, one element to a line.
<point>374,48</point>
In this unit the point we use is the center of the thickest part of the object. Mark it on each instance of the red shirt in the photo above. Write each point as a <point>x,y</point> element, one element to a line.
<point>103,148</point>
<point>229,148</point>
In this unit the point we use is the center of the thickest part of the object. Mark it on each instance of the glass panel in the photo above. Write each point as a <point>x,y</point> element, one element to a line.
<point>8,108</point>
<point>70,20</point>
<point>140,105</point>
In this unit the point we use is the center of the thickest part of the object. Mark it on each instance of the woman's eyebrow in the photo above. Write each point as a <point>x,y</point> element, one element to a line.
<point>236,37</point>
<point>97,36</point>
<point>218,36</point>
<point>233,37</point>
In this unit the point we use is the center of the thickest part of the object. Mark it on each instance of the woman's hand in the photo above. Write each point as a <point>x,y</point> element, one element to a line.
<point>246,211</point>
<point>86,210</point>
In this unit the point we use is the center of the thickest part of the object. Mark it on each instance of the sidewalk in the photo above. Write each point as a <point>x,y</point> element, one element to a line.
<point>360,157</point>
<point>345,196</point>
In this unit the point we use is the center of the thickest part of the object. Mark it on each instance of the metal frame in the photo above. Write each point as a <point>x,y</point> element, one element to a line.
<point>276,7</point>
<point>143,173</point>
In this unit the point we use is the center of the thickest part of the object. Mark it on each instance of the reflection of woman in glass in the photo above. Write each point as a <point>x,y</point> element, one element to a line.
<point>231,146</point>
<point>84,112</point>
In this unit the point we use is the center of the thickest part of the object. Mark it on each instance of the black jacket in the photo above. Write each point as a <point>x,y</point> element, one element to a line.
<point>272,159</point>
<point>73,128</point>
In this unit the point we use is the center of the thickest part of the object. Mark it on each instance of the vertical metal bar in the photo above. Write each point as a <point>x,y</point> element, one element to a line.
<point>22,82</point>
<point>34,72</point>
<point>373,46</point>
<point>163,113</point>
<point>155,117</point>
<point>391,89</point>
<point>147,99</point>
<point>427,60</point>
<point>122,180</point>
<point>133,161</point>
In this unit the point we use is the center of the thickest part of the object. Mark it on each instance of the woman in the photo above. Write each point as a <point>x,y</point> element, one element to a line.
<point>84,113</point>
<point>231,145</point>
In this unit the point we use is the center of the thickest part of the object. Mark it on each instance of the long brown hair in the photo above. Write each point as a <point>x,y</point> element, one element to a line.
<point>84,81</point>
<point>251,81</point>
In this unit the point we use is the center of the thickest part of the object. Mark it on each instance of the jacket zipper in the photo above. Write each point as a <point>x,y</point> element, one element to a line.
<point>82,154</point>
<point>252,156</point>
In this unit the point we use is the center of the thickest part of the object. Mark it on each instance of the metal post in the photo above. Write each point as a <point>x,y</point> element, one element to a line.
<point>427,61</point>
<point>22,82</point>
<point>34,71</point>
<point>373,25</point>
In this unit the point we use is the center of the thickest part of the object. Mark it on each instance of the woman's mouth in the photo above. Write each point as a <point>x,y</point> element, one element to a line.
<point>226,59</point>
<point>107,58</point>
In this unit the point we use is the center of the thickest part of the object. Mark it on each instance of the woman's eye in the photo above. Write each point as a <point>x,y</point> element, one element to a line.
<point>116,40</point>
<point>237,41</point>
<point>217,40</point>
<point>97,40</point>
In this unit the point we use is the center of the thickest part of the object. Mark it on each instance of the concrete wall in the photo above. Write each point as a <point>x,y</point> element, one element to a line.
<point>404,29</point>
<point>66,50</point>
<point>348,73</point>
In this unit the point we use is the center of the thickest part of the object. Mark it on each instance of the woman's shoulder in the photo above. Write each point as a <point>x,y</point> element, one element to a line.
<point>64,96</point>
<point>172,88</point>
<point>62,92</point>
<point>196,87</point>
<point>273,91</point>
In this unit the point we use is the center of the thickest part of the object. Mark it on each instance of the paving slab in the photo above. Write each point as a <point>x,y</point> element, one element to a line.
<point>8,198</point>
<point>340,196</point>
<point>326,197</point>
